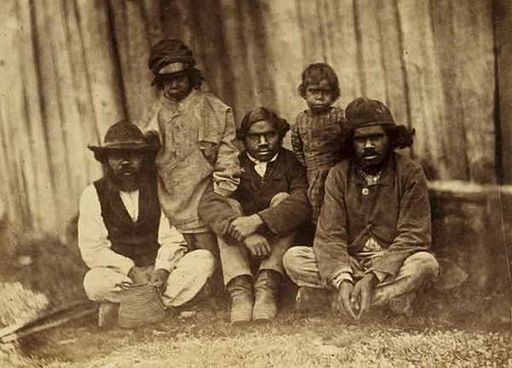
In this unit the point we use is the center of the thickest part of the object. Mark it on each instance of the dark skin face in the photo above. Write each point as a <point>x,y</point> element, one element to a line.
<point>262,140</point>
<point>371,146</point>
<point>125,167</point>
<point>319,97</point>
<point>176,86</point>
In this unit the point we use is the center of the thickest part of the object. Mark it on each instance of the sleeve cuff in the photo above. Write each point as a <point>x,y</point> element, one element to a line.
<point>381,276</point>
<point>126,266</point>
<point>340,277</point>
<point>221,191</point>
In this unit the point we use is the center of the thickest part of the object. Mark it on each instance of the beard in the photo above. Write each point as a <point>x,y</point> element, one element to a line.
<point>126,179</point>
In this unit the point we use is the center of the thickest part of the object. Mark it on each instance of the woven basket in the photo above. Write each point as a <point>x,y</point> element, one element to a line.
<point>140,305</point>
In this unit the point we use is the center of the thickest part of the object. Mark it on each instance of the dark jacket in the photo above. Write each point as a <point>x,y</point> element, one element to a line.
<point>396,212</point>
<point>135,240</point>
<point>254,194</point>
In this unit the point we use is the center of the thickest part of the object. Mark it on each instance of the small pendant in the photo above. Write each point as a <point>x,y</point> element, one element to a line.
<point>365,191</point>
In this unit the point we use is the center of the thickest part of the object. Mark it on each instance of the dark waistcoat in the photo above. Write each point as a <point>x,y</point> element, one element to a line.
<point>135,240</point>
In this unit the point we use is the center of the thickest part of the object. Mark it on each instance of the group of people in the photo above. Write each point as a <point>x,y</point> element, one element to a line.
<point>180,205</point>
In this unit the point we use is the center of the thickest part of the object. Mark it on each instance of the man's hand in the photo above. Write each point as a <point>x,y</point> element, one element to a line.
<point>345,298</point>
<point>257,245</point>
<point>159,279</point>
<point>363,293</point>
<point>137,275</point>
<point>241,227</point>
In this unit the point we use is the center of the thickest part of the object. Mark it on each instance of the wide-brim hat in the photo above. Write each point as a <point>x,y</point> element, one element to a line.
<point>363,112</point>
<point>124,136</point>
<point>140,304</point>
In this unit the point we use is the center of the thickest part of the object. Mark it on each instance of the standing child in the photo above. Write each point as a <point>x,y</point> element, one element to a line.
<point>197,134</point>
<point>317,135</point>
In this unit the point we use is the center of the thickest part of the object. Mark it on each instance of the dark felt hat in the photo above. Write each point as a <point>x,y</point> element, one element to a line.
<point>123,136</point>
<point>363,112</point>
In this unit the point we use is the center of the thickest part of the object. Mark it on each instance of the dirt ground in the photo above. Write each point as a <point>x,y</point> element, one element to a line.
<point>321,339</point>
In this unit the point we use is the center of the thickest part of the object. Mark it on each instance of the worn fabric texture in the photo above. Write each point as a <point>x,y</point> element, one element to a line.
<point>187,278</point>
<point>236,259</point>
<point>415,273</point>
<point>395,212</point>
<point>284,175</point>
<point>318,143</point>
<point>137,240</point>
<point>198,151</point>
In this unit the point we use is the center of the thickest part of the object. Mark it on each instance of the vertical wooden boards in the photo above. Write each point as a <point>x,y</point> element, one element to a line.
<point>424,85</point>
<point>133,42</point>
<point>101,66</point>
<point>372,68</point>
<point>209,47</point>
<point>284,38</point>
<point>452,126</point>
<point>236,55</point>
<point>43,212</point>
<point>473,33</point>
<point>345,50</point>
<point>503,31</point>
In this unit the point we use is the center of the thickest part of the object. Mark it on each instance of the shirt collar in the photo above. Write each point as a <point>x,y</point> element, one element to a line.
<point>256,161</point>
<point>183,104</point>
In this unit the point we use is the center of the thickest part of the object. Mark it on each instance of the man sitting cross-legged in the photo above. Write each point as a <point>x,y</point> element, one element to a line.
<point>373,235</point>
<point>124,238</point>
<point>257,224</point>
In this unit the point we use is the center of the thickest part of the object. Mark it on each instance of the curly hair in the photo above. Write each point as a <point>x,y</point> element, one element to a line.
<point>314,74</point>
<point>259,114</point>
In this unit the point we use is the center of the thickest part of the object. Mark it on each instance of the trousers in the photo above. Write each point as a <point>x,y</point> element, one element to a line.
<point>191,273</point>
<point>416,272</point>
<point>236,259</point>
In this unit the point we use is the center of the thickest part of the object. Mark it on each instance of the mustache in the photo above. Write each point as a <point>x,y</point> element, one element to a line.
<point>369,152</point>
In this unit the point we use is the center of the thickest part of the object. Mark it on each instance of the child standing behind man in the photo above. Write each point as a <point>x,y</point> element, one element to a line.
<point>197,134</point>
<point>317,135</point>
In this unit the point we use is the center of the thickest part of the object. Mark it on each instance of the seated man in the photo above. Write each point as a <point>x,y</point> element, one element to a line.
<point>373,235</point>
<point>258,222</point>
<point>124,238</point>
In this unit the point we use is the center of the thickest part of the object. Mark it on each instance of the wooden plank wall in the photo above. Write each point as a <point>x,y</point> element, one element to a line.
<point>70,68</point>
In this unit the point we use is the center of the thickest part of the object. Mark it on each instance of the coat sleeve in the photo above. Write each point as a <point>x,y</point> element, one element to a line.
<point>330,244</point>
<point>413,226</point>
<point>297,144</point>
<point>294,210</point>
<point>226,176</point>
<point>216,211</point>
<point>95,248</point>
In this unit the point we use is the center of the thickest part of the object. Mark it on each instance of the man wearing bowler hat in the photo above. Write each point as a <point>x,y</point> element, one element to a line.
<point>124,238</point>
<point>373,235</point>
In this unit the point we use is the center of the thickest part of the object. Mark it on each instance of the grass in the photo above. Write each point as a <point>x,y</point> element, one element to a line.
<point>294,340</point>
<point>460,328</point>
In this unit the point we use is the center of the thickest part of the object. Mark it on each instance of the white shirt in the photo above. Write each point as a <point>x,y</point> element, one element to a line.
<point>95,247</point>
<point>261,166</point>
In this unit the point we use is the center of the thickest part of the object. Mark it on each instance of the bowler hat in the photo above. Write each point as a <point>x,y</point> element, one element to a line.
<point>363,112</point>
<point>123,136</point>
<point>140,305</point>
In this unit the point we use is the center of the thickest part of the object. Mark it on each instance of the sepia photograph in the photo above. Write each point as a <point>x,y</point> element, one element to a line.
<point>256,183</point>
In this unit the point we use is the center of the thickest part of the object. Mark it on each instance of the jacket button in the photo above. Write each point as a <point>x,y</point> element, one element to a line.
<point>365,191</point>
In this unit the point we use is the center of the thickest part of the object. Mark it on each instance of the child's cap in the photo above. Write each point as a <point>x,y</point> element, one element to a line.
<point>170,56</point>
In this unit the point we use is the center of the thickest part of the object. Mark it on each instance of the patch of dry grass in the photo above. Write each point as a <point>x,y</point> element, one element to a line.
<point>206,340</point>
